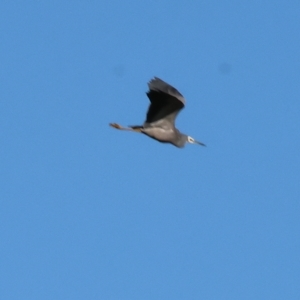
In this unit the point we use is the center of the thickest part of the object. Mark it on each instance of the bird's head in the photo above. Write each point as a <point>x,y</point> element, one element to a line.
<point>183,139</point>
<point>191,140</point>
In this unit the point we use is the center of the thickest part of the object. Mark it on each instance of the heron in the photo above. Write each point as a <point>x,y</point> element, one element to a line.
<point>165,104</point>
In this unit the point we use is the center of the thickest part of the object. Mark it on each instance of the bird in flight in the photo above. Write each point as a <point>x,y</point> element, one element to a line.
<point>165,104</point>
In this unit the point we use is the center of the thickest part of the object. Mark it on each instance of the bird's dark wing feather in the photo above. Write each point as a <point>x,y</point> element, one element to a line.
<point>166,101</point>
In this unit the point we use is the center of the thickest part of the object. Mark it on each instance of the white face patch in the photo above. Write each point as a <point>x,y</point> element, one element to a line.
<point>191,140</point>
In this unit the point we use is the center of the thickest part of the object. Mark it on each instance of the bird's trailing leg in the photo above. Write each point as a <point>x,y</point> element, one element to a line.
<point>133,128</point>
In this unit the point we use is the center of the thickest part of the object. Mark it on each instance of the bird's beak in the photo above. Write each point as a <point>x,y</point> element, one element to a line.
<point>199,143</point>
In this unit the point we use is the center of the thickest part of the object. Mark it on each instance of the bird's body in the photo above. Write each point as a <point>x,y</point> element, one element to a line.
<point>164,135</point>
<point>166,102</point>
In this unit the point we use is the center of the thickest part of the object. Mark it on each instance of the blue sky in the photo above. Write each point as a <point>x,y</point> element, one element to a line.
<point>88,212</point>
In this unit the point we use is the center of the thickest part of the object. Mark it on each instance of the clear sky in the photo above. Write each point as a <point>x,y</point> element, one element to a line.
<point>89,212</point>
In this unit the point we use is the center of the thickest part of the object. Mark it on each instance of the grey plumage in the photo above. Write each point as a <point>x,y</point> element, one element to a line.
<point>166,103</point>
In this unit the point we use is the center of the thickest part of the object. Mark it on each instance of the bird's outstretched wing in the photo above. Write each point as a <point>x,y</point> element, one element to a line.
<point>166,101</point>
